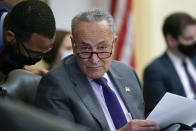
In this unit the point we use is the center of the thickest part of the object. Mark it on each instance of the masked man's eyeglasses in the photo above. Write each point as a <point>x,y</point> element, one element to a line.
<point>34,53</point>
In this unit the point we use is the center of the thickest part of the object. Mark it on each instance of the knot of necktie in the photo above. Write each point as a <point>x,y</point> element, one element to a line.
<point>101,81</point>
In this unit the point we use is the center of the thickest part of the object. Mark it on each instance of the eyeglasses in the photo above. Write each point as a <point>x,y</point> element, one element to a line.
<point>103,51</point>
<point>101,55</point>
<point>34,53</point>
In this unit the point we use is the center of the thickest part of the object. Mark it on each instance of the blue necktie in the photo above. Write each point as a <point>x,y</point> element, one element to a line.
<point>191,81</point>
<point>112,103</point>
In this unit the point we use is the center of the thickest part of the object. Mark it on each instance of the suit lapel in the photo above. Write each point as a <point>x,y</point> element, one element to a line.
<point>126,93</point>
<point>194,61</point>
<point>85,92</point>
<point>173,74</point>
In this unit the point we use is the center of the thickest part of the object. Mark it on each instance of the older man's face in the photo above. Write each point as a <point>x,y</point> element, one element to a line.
<point>93,46</point>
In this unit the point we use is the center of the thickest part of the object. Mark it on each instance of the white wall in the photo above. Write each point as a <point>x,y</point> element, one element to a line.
<point>65,10</point>
<point>160,10</point>
<point>149,16</point>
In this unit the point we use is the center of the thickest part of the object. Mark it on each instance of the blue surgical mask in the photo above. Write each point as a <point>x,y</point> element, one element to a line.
<point>66,53</point>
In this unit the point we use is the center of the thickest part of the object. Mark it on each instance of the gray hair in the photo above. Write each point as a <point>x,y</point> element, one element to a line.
<point>92,16</point>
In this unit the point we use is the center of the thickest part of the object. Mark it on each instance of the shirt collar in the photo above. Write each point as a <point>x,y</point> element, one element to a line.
<point>105,76</point>
<point>177,60</point>
<point>174,58</point>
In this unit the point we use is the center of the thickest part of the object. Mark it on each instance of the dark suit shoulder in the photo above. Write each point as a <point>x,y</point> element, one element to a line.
<point>124,70</point>
<point>160,65</point>
<point>194,60</point>
<point>119,66</point>
<point>61,68</point>
<point>57,81</point>
<point>158,62</point>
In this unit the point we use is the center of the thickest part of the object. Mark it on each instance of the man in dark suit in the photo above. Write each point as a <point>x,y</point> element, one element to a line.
<point>171,72</point>
<point>71,90</point>
<point>26,33</point>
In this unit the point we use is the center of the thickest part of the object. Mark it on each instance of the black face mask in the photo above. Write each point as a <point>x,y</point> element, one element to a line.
<point>20,58</point>
<point>24,60</point>
<point>188,50</point>
<point>15,60</point>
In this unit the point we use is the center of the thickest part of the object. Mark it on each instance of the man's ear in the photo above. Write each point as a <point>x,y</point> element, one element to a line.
<point>72,42</point>
<point>10,36</point>
<point>171,41</point>
<point>115,40</point>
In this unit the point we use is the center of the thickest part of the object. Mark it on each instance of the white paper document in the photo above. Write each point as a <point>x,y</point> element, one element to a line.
<point>174,109</point>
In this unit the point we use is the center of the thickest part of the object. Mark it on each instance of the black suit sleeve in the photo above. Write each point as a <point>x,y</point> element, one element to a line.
<point>154,87</point>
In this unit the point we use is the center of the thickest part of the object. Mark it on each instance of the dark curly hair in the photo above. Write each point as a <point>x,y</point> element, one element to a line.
<point>28,17</point>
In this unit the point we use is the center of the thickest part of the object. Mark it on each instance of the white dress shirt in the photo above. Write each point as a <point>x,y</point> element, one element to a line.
<point>99,94</point>
<point>177,62</point>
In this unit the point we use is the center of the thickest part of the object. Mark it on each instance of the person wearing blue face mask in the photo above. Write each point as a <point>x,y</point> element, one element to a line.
<point>175,70</point>
<point>27,32</point>
<point>62,48</point>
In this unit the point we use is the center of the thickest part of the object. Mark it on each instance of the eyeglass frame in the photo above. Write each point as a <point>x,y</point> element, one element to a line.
<point>38,53</point>
<point>97,53</point>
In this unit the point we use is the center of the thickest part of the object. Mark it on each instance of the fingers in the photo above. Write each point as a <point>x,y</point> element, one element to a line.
<point>43,71</point>
<point>144,123</point>
<point>148,128</point>
<point>140,125</point>
<point>36,70</point>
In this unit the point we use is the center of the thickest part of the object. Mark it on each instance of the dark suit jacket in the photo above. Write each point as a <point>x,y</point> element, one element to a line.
<point>160,77</point>
<point>16,116</point>
<point>66,92</point>
<point>5,6</point>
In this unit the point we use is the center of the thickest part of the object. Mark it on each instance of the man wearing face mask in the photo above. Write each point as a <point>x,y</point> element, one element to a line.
<point>175,70</point>
<point>27,32</point>
<point>62,48</point>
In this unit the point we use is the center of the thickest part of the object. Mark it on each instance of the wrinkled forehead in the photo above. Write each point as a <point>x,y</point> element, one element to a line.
<point>92,32</point>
